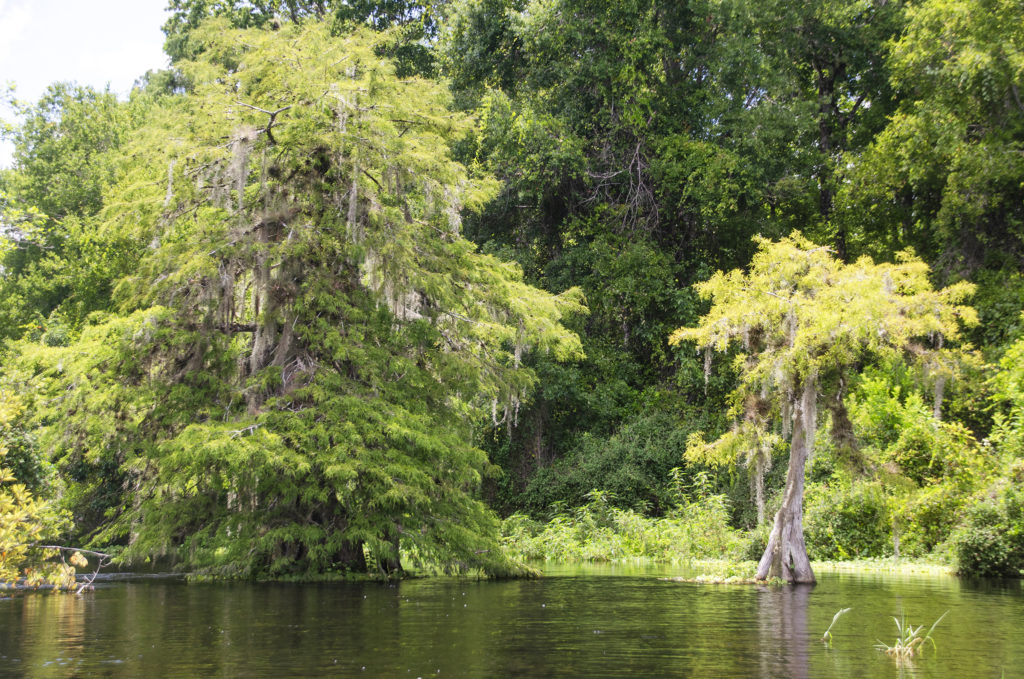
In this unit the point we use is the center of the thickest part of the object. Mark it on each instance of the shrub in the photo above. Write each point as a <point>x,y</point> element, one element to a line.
<point>898,427</point>
<point>24,520</point>
<point>599,531</point>
<point>633,465</point>
<point>755,543</point>
<point>990,541</point>
<point>1008,396</point>
<point>844,522</point>
<point>928,517</point>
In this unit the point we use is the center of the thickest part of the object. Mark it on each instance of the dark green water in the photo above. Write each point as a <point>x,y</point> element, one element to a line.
<point>597,622</point>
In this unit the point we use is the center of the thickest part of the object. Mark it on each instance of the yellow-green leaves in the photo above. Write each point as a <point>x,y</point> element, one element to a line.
<point>21,514</point>
<point>306,336</point>
<point>799,311</point>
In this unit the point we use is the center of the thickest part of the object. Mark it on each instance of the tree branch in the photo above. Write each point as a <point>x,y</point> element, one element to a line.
<point>272,114</point>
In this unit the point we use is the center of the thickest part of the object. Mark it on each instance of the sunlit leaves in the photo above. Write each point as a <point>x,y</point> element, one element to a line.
<point>798,311</point>
<point>306,337</point>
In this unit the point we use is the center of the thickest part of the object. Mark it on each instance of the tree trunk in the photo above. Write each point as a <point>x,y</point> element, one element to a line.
<point>759,471</point>
<point>390,564</point>
<point>786,554</point>
<point>351,558</point>
<point>940,389</point>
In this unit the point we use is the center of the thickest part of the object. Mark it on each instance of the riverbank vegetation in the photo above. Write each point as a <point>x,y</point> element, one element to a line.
<point>354,287</point>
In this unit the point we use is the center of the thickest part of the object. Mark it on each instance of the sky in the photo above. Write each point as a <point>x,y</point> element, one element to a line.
<point>91,42</point>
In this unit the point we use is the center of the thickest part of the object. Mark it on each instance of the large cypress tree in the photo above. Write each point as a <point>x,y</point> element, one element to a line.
<point>304,338</point>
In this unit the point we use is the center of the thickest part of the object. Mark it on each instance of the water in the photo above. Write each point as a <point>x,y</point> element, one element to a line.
<point>575,622</point>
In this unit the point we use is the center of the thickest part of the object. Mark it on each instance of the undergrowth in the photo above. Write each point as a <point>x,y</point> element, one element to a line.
<point>599,531</point>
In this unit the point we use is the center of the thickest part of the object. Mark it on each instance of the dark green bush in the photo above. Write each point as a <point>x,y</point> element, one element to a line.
<point>846,522</point>
<point>633,465</point>
<point>928,518</point>
<point>990,541</point>
<point>756,542</point>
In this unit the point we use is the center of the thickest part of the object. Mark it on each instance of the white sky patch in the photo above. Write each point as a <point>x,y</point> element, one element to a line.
<point>14,17</point>
<point>99,43</point>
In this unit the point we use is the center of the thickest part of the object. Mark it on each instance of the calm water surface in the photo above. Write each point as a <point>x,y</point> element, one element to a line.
<point>582,622</point>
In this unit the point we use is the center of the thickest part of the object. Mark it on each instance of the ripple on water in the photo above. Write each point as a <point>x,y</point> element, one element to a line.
<point>609,621</point>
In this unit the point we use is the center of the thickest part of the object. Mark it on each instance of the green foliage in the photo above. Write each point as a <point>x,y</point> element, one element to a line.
<point>24,520</point>
<point>845,522</point>
<point>20,513</point>
<point>632,465</point>
<point>801,312</point>
<point>305,339</point>
<point>96,406</point>
<point>944,175</point>
<point>66,155</point>
<point>300,357</point>
<point>990,539</point>
<point>999,299</point>
<point>805,321</point>
<point>62,149</point>
<point>901,430</point>
<point>911,476</point>
<point>412,23</point>
<point>640,145</point>
<point>599,531</point>
<point>1008,394</point>
<point>927,518</point>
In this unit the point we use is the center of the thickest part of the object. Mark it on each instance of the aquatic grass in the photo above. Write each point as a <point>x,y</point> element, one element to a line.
<point>827,636</point>
<point>901,566</point>
<point>909,640</point>
<point>717,572</point>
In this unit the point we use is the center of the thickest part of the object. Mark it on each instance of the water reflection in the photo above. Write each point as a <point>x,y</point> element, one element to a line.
<point>55,631</point>
<point>609,623</point>
<point>782,627</point>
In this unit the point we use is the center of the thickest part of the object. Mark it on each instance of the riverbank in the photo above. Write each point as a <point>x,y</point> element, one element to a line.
<point>696,537</point>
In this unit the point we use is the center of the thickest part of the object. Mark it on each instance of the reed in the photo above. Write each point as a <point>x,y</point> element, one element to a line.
<point>827,636</point>
<point>909,640</point>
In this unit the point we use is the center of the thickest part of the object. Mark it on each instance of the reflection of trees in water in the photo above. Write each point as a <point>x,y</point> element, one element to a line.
<point>54,627</point>
<point>782,630</point>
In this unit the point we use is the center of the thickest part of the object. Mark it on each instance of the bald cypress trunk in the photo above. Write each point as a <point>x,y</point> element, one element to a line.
<point>786,554</point>
<point>351,557</point>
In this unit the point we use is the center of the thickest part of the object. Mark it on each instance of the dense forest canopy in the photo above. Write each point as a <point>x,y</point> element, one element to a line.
<point>351,280</point>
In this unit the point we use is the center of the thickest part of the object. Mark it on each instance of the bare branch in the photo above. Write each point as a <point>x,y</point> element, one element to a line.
<point>272,114</point>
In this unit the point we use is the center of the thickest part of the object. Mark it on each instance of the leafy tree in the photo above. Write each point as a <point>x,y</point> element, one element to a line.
<point>25,519</point>
<point>682,128</point>
<point>60,149</point>
<point>1008,388</point>
<point>64,158</point>
<point>411,24</point>
<point>306,340</point>
<point>831,55</point>
<point>20,513</point>
<point>748,442</point>
<point>944,175</point>
<point>805,320</point>
<point>574,98</point>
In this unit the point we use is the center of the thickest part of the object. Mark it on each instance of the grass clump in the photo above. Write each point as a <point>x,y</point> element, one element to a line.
<point>909,640</point>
